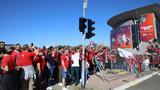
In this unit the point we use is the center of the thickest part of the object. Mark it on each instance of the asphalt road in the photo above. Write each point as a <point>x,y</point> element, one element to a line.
<point>152,83</point>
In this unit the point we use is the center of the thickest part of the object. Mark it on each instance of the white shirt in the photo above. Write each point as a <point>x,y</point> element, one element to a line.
<point>75,59</point>
<point>146,62</point>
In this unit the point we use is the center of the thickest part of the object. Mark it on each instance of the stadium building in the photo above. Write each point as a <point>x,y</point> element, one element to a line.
<point>131,28</point>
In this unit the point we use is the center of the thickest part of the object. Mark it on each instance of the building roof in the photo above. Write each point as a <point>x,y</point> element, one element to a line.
<point>133,14</point>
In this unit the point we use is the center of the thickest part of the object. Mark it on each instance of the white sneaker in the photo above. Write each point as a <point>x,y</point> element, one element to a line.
<point>60,84</point>
<point>49,88</point>
<point>158,74</point>
<point>98,73</point>
<point>67,86</point>
<point>80,80</point>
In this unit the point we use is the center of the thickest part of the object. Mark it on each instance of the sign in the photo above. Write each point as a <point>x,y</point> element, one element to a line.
<point>147,27</point>
<point>121,37</point>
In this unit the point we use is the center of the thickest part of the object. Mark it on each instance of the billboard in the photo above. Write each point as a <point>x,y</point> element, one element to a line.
<point>121,37</point>
<point>147,27</point>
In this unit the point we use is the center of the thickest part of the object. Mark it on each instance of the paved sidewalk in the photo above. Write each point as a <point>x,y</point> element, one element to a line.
<point>97,83</point>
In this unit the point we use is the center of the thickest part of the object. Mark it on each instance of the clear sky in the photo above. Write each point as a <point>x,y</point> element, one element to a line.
<point>56,22</point>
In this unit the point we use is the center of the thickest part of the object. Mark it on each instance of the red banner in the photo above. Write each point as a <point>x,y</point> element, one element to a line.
<point>147,27</point>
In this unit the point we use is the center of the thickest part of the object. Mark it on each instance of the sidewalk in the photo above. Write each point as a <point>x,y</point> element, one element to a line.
<point>115,80</point>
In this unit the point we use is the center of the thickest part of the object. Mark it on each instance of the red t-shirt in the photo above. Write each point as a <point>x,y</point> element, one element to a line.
<point>132,61</point>
<point>13,56</point>
<point>7,61</point>
<point>107,54</point>
<point>65,58</point>
<point>43,63</point>
<point>41,60</point>
<point>16,56</point>
<point>101,58</point>
<point>90,56</point>
<point>86,56</point>
<point>27,58</point>
<point>37,59</point>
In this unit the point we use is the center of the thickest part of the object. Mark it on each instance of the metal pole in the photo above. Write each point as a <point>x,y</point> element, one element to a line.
<point>110,50</point>
<point>137,28</point>
<point>83,72</point>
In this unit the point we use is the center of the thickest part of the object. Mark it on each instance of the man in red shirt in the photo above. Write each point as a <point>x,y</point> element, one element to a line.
<point>90,60</point>
<point>27,65</point>
<point>16,57</point>
<point>7,63</point>
<point>64,66</point>
<point>42,69</point>
<point>8,72</point>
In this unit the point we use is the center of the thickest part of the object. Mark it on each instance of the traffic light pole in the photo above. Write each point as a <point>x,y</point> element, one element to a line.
<point>83,71</point>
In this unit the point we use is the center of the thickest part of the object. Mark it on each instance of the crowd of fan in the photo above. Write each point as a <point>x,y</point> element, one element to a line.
<point>149,60</point>
<point>154,51</point>
<point>29,67</point>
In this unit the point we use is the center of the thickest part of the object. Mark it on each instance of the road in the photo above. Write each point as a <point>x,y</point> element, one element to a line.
<point>152,83</point>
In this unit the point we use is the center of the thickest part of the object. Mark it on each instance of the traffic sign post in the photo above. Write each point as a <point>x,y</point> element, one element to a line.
<point>88,35</point>
<point>83,71</point>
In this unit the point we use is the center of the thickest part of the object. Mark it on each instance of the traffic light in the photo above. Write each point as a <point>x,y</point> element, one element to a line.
<point>90,34</point>
<point>82,24</point>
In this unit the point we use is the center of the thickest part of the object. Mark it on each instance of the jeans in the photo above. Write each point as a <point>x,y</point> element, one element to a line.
<point>75,74</point>
<point>51,70</point>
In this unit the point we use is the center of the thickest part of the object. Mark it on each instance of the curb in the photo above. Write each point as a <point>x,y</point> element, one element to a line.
<point>133,83</point>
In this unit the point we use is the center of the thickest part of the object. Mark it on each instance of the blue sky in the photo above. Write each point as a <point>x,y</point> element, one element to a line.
<point>55,22</point>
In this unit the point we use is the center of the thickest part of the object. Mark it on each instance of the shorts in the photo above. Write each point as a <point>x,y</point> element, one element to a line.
<point>29,72</point>
<point>64,73</point>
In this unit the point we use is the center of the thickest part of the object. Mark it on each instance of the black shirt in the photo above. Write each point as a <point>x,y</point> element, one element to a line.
<point>50,59</point>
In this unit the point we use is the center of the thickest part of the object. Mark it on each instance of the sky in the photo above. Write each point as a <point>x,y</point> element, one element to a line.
<point>56,22</point>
